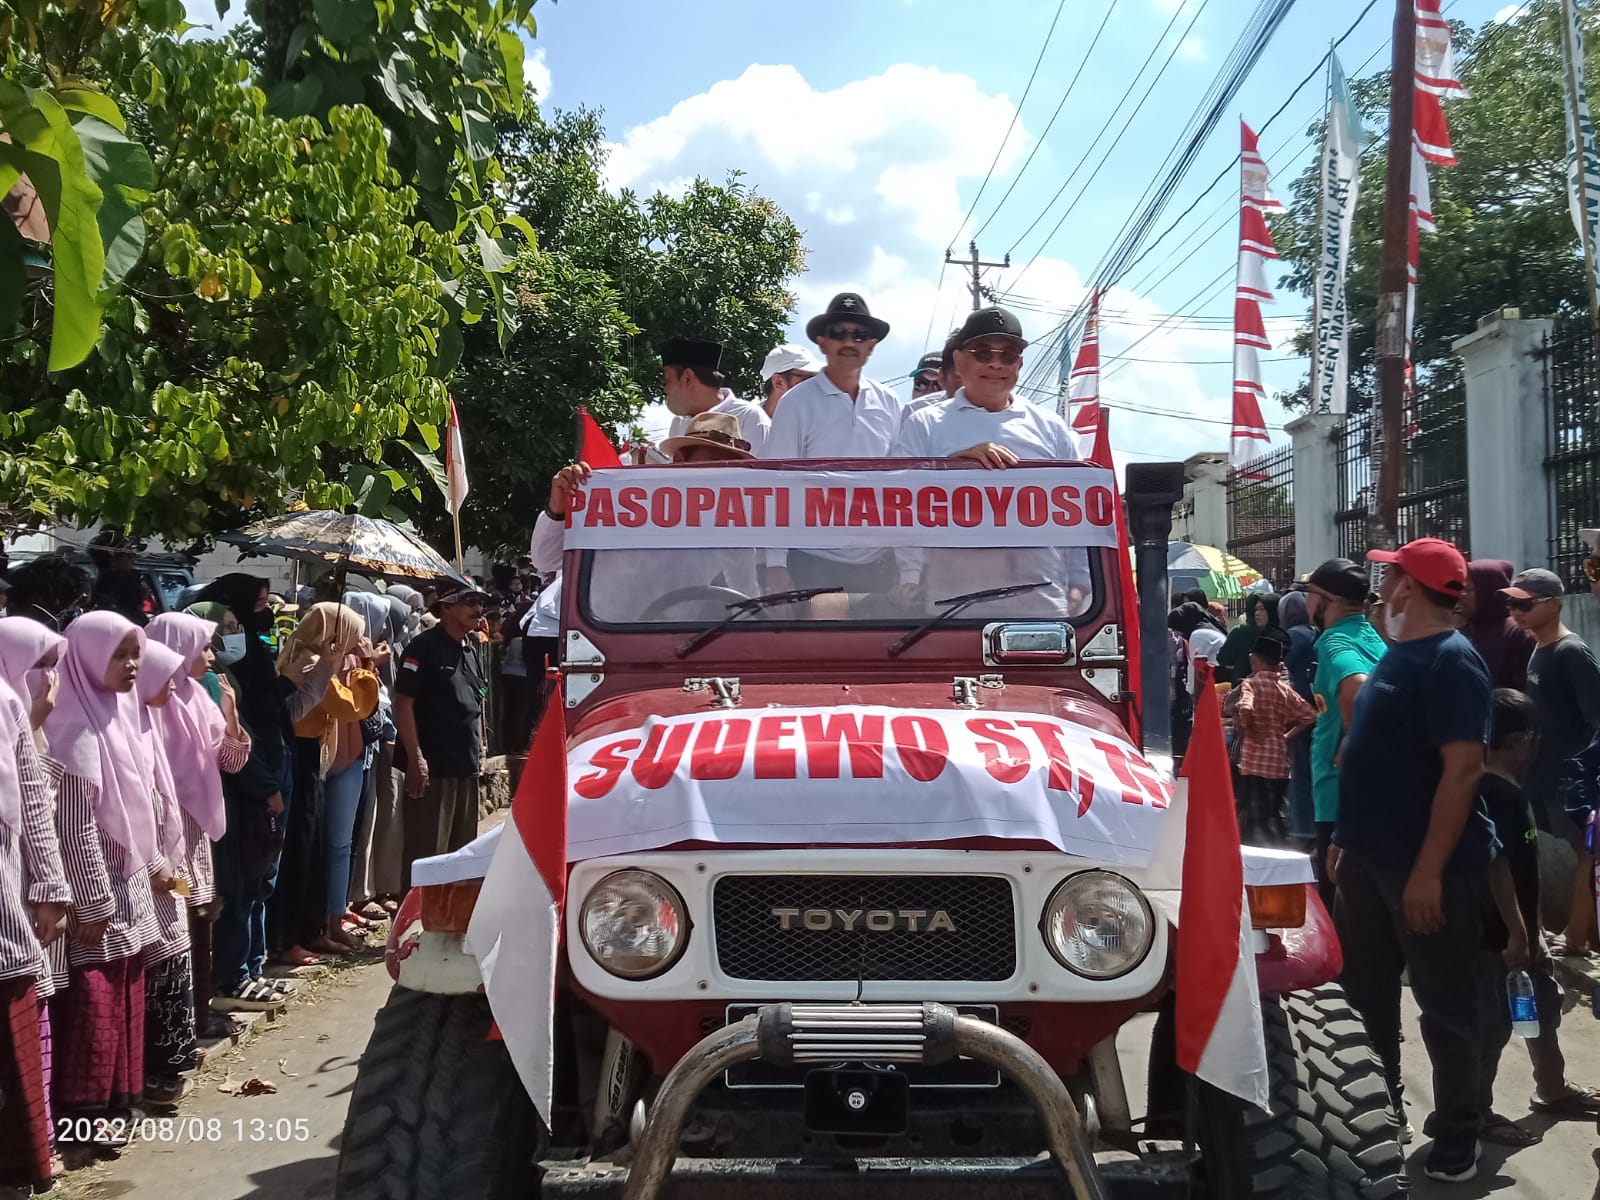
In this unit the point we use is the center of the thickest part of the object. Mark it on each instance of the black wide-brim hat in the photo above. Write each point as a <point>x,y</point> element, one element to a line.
<point>847,306</point>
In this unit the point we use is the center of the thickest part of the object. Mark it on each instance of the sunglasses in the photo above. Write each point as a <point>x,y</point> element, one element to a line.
<point>1523,606</point>
<point>924,383</point>
<point>847,333</point>
<point>988,354</point>
<point>1591,569</point>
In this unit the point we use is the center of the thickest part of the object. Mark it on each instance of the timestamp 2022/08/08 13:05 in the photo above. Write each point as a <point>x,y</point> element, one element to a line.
<point>116,1131</point>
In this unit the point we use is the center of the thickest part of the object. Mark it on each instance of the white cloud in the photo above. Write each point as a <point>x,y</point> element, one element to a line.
<point>1510,11</point>
<point>875,172</point>
<point>536,75</point>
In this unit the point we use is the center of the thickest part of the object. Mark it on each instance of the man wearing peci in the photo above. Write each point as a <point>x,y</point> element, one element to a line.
<point>693,383</point>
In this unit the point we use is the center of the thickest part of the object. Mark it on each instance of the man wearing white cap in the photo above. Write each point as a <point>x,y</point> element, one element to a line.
<point>784,367</point>
<point>693,384</point>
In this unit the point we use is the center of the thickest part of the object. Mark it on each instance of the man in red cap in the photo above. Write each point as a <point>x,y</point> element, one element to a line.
<point>1412,845</point>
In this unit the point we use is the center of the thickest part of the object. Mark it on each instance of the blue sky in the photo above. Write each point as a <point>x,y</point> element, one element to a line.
<point>874,123</point>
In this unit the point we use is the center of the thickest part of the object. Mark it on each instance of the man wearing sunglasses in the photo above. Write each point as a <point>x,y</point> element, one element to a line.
<point>837,414</point>
<point>1564,682</point>
<point>985,421</point>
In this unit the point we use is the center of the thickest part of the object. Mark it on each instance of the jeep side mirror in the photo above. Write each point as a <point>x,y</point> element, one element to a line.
<point>1152,489</point>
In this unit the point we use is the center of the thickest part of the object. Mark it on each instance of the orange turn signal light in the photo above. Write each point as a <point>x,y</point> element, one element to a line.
<point>1278,906</point>
<point>447,907</point>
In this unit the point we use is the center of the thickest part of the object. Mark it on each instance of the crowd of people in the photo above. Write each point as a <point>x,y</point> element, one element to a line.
<point>1415,735</point>
<point>195,804</point>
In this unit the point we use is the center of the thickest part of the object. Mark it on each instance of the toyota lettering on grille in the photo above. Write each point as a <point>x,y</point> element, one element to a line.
<point>869,920</point>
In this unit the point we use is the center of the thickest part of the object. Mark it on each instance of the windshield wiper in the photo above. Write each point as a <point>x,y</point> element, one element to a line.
<point>957,604</point>
<point>753,604</point>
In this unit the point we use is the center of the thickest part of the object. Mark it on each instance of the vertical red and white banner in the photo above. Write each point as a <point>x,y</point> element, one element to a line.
<point>1083,393</point>
<point>1435,72</point>
<point>1250,437</point>
<point>455,468</point>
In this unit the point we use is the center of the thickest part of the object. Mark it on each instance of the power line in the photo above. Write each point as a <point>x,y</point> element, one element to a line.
<point>1050,124</point>
<point>1016,113</point>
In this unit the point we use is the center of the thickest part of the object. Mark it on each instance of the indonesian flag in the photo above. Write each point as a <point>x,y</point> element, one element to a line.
<point>594,447</point>
<point>515,932</point>
<point>1250,436</point>
<point>1083,390</point>
<point>455,465</point>
<point>1219,1034</point>
<point>1435,78</point>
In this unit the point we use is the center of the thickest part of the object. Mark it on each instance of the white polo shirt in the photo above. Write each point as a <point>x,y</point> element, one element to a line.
<point>819,420</point>
<point>752,418</point>
<point>940,430</point>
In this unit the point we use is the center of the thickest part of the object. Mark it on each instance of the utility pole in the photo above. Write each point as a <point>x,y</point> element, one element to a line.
<point>1394,273</point>
<point>976,266</point>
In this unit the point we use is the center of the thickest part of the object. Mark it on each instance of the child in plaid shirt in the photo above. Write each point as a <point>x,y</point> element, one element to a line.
<point>1269,713</point>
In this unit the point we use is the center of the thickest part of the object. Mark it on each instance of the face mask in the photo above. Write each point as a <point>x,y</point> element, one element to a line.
<point>233,648</point>
<point>1394,624</point>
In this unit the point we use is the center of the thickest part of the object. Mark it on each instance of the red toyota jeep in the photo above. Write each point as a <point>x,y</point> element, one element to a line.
<point>872,884</point>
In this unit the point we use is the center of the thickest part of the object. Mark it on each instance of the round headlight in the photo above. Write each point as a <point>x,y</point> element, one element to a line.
<point>634,924</point>
<point>1098,925</point>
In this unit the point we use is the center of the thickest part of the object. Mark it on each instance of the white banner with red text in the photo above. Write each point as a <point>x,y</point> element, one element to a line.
<point>693,506</point>
<point>863,776</point>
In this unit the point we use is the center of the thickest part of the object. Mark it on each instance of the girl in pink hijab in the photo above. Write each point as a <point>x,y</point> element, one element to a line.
<point>169,1034</point>
<point>203,742</point>
<point>107,820</point>
<point>33,907</point>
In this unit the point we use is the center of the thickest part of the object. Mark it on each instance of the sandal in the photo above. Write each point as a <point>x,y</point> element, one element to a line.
<point>299,956</point>
<point>1503,1131</point>
<point>284,987</point>
<point>390,905</point>
<point>1561,948</point>
<point>354,922</point>
<point>165,1093</point>
<point>373,910</point>
<point>1579,1101</point>
<point>253,995</point>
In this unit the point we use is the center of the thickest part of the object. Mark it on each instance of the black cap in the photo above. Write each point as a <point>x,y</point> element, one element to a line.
<point>847,306</point>
<point>1343,578</point>
<point>992,322</point>
<point>690,352</point>
<point>931,361</point>
<point>1268,649</point>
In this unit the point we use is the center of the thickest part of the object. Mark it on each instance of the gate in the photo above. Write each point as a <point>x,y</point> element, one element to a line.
<point>1261,515</point>
<point>1572,464</point>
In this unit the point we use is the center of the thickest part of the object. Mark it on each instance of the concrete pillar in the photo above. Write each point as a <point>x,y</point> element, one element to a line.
<point>1508,496</point>
<point>1201,516</point>
<point>1316,490</point>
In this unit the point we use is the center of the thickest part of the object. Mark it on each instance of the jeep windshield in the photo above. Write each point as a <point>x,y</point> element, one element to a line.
<point>681,546</point>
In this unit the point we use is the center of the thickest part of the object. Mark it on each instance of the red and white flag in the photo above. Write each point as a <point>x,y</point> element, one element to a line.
<point>1083,387</point>
<point>515,932</point>
<point>1250,438</point>
<point>455,464</point>
<point>594,447</point>
<point>1435,79</point>
<point>1219,1033</point>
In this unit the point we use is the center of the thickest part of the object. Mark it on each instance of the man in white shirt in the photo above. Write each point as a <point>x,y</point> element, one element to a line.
<point>783,368</point>
<point>986,422</point>
<point>945,380</point>
<point>836,415</point>
<point>692,373</point>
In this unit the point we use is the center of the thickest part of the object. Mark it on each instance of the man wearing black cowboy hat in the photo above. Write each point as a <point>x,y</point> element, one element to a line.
<point>694,384</point>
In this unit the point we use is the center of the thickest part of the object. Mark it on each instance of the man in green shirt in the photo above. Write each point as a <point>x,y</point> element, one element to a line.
<point>1348,647</point>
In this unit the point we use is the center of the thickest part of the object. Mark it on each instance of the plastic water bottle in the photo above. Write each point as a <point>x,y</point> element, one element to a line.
<point>1524,1008</point>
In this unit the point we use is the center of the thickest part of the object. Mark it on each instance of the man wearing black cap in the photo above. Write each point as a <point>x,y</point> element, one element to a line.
<point>837,414</point>
<point>1348,647</point>
<point>925,386</point>
<point>694,384</point>
<point>438,713</point>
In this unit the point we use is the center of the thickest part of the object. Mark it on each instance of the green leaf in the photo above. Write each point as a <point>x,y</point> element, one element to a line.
<point>298,41</point>
<point>520,223</point>
<point>125,175</point>
<point>451,346</point>
<point>430,464</point>
<point>96,104</point>
<point>497,254</point>
<point>479,133</point>
<point>512,54</point>
<point>346,22</point>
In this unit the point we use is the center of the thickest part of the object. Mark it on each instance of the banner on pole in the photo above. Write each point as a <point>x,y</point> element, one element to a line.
<point>1250,437</point>
<point>1583,190</point>
<point>1341,184</point>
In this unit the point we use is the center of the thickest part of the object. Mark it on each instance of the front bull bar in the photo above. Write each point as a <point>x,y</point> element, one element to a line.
<point>877,1033</point>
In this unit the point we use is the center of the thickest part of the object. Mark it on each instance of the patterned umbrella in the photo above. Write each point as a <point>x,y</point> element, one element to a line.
<point>1218,573</point>
<point>346,542</point>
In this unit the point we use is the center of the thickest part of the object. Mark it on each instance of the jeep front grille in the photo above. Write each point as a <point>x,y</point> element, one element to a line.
<point>976,941</point>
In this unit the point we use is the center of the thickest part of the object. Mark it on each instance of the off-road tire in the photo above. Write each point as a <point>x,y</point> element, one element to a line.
<point>1330,1135</point>
<point>438,1112</point>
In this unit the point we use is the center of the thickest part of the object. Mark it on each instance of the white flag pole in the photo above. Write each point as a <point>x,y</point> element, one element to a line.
<point>1570,51</point>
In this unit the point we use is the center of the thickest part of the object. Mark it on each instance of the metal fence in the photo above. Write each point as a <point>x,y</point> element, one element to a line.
<point>1261,515</point>
<point>1572,462</point>
<point>1433,479</point>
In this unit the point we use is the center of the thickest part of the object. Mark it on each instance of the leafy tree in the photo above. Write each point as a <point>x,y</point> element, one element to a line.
<point>609,277</point>
<point>1505,236</point>
<point>282,321</point>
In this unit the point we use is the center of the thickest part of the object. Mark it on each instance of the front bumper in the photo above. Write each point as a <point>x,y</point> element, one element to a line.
<point>800,1033</point>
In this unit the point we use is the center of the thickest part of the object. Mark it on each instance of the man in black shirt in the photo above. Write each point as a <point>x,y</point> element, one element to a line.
<point>1564,681</point>
<point>438,712</point>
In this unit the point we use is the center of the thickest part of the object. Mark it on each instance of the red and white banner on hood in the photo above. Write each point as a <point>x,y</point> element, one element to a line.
<point>695,507</point>
<point>863,776</point>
